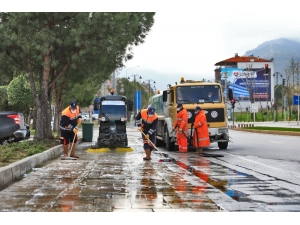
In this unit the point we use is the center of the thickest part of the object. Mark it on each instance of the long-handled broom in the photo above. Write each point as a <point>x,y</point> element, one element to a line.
<point>165,159</point>
<point>69,153</point>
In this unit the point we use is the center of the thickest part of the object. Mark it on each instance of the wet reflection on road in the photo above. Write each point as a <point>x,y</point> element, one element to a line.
<point>105,182</point>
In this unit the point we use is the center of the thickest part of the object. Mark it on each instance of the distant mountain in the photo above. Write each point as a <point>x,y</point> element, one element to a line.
<point>282,50</point>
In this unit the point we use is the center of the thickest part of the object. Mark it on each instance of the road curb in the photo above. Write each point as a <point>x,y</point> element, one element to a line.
<point>17,169</point>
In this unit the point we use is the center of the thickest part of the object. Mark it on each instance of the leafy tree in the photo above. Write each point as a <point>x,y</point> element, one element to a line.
<point>46,45</point>
<point>3,99</point>
<point>19,95</point>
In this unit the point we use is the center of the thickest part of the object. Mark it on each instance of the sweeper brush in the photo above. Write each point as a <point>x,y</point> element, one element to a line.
<point>165,159</point>
<point>124,149</point>
<point>116,149</point>
<point>97,150</point>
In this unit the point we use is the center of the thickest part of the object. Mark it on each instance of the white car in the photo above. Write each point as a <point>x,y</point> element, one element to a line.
<point>85,117</point>
<point>95,116</point>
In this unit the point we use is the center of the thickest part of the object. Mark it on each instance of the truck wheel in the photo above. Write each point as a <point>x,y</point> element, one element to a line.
<point>169,145</point>
<point>159,143</point>
<point>222,145</point>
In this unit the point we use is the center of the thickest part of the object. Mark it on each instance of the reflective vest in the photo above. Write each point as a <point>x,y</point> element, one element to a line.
<point>148,123</point>
<point>72,118</point>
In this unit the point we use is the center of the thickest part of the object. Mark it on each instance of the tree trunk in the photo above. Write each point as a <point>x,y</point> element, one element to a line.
<point>58,93</point>
<point>34,112</point>
<point>43,122</point>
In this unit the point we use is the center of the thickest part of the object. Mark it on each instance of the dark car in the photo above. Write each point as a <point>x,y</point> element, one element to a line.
<point>13,127</point>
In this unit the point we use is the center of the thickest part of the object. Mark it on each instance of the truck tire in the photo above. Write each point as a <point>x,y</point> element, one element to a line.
<point>223,145</point>
<point>169,145</point>
<point>159,143</point>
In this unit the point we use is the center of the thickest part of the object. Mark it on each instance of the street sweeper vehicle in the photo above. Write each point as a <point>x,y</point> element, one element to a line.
<point>189,93</point>
<point>112,120</point>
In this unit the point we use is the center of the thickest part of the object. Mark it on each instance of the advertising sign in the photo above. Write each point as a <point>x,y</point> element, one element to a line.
<point>241,81</point>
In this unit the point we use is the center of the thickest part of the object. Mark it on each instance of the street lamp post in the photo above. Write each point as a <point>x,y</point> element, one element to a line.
<point>149,81</point>
<point>130,69</point>
<point>275,99</point>
<point>267,91</point>
<point>298,109</point>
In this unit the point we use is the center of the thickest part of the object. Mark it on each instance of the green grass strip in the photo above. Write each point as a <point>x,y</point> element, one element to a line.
<point>274,128</point>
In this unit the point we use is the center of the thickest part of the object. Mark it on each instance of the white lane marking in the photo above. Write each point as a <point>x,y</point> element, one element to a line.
<point>276,142</point>
<point>254,162</point>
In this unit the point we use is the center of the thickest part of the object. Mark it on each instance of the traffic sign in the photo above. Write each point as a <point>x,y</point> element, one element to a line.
<point>296,99</point>
<point>253,108</point>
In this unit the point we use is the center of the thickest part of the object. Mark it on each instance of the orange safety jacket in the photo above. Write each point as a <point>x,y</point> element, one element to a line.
<point>148,124</point>
<point>182,122</point>
<point>201,133</point>
<point>68,119</point>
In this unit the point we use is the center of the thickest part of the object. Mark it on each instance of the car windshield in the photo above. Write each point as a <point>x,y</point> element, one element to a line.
<point>198,94</point>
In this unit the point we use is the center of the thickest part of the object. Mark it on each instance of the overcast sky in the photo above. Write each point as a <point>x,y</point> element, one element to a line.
<point>189,37</point>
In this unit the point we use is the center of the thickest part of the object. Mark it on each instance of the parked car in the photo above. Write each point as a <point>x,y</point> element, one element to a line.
<point>85,117</point>
<point>95,116</point>
<point>13,127</point>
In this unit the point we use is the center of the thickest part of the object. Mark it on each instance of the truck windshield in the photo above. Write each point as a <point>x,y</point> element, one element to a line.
<point>113,112</point>
<point>198,94</point>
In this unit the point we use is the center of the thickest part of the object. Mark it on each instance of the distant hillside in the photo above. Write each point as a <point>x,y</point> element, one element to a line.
<point>282,50</point>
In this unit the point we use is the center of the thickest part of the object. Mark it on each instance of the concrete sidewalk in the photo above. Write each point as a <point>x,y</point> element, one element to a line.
<point>16,170</point>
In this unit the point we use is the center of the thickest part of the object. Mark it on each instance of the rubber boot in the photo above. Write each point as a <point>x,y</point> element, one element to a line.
<point>200,151</point>
<point>65,148</point>
<point>73,151</point>
<point>148,154</point>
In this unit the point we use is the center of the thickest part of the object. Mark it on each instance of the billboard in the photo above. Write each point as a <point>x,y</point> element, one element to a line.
<point>243,81</point>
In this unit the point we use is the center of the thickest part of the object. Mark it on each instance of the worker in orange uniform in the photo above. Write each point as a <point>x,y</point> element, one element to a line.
<point>70,118</point>
<point>201,134</point>
<point>181,126</point>
<point>146,121</point>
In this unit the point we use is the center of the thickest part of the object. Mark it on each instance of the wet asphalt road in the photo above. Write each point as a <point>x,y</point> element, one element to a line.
<point>119,180</point>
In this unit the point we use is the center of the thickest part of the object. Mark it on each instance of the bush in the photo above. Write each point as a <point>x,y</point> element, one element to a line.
<point>19,150</point>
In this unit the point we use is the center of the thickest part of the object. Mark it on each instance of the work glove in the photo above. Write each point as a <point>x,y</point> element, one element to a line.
<point>75,130</point>
<point>180,129</point>
<point>79,121</point>
<point>147,136</point>
<point>140,129</point>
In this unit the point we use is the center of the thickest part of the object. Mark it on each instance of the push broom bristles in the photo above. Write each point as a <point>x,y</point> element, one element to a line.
<point>165,160</point>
